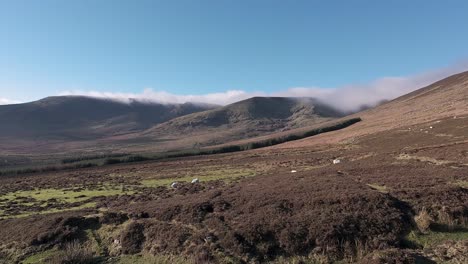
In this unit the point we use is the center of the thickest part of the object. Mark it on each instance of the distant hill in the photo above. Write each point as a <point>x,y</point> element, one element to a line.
<point>76,124</point>
<point>79,117</point>
<point>251,117</point>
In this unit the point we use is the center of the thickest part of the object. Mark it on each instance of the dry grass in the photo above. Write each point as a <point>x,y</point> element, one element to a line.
<point>74,253</point>
<point>379,188</point>
<point>423,220</point>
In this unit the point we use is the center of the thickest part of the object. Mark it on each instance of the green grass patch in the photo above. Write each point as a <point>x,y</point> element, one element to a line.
<point>160,259</point>
<point>40,258</point>
<point>213,175</point>
<point>64,195</point>
<point>49,211</point>
<point>434,238</point>
<point>54,200</point>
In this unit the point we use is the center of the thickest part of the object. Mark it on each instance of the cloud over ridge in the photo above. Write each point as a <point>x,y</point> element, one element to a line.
<point>345,98</point>
<point>5,101</point>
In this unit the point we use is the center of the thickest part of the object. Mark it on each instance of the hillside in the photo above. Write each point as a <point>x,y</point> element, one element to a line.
<point>78,118</point>
<point>251,117</point>
<point>447,98</point>
<point>84,126</point>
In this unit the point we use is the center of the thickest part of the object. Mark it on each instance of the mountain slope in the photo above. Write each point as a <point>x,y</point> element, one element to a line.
<point>447,98</point>
<point>247,118</point>
<point>77,117</point>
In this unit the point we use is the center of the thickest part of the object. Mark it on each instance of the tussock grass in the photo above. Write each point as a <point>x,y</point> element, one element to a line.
<point>423,220</point>
<point>74,252</point>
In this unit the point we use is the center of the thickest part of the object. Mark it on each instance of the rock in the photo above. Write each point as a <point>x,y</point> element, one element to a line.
<point>336,161</point>
<point>174,184</point>
<point>196,180</point>
<point>293,171</point>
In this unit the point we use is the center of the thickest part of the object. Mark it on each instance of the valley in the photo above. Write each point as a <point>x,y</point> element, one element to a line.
<point>398,193</point>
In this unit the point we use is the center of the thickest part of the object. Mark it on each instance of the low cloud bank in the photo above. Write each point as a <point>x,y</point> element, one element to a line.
<point>5,101</point>
<point>353,97</point>
<point>149,95</point>
<point>346,98</point>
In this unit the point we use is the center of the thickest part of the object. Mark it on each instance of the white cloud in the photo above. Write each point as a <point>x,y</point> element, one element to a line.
<point>352,97</point>
<point>346,98</point>
<point>149,95</point>
<point>5,101</point>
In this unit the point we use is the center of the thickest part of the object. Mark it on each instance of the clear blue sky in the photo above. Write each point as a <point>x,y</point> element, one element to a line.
<point>197,47</point>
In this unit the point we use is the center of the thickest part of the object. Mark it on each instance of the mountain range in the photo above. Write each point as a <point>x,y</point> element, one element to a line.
<point>63,121</point>
<point>77,124</point>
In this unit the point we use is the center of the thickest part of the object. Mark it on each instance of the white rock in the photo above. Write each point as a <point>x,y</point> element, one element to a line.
<point>336,161</point>
<point>293,171</point>
<point>430,127</point>
<point>196,180</point>
<point>174,184</point>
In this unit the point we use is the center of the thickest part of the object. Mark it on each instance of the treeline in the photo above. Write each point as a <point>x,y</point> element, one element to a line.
<point>92,157</point>
<point>132,158</point>
<point>280,140</point>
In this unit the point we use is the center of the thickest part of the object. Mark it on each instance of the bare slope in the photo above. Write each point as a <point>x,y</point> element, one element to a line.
<point>443,99</point>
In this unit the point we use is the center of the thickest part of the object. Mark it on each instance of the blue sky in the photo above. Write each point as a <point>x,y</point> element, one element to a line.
<point>203,47</point>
